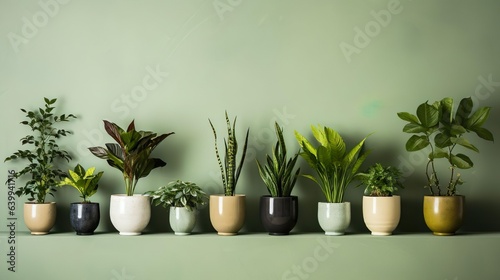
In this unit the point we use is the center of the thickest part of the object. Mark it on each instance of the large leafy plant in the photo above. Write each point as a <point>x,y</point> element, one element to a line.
<point>84,181</point>
<point>230,171</point>
<point>179,194</point>
<point>381,180</point>
<point>45,154</point>
<point>439,128</point>
<point>335,166</point>
<point>278,173</point>
<point>131,154</point>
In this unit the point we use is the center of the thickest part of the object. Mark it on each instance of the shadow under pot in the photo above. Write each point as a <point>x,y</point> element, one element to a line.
<point>84,217</point>
<point>279,214</point>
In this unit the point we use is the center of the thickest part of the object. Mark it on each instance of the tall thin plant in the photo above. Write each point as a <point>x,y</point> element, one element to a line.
<point>45,154</point>
<point>277,174</point>
<point>230,171</point>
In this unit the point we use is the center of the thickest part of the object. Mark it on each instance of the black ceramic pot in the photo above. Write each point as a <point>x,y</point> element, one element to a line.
<point>84,217</point>
<point>279,214</point>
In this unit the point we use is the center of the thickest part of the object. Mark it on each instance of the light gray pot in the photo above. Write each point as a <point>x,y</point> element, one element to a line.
<point>334,218</point>
<point>130,214</point>
<point>182,220</point>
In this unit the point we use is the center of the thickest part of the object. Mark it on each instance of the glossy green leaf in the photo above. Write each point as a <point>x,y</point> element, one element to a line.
<point>478,118</point>
<point>483,133</point>
<point>416,143</point>
<point>428,115</point>
<point>442,140</point>
<point>438,153</point>
<point>461,161</point>
<point>465,143</point>
<point>414,128</point>
<point>446,107</point>
<point>464,110</point>
<point>408,117</point>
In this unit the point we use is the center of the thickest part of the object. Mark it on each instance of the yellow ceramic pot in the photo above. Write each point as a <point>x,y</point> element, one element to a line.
<point>443,215</point>
<point>39,217</point>
<point>227,213</point>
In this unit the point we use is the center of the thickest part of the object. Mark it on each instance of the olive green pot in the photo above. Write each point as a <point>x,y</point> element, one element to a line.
<point>443,215</point>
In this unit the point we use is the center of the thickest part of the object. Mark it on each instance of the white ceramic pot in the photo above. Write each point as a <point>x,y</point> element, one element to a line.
<point>130,214</point>
<point>182,220</point>
<point>334,218</point>
<point>381,214</point>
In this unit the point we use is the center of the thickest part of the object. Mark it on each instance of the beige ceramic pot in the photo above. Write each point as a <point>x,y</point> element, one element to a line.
<point>381,213</point>
<point>227,213</point>
<point>443,215</point>
<point>39,217</point>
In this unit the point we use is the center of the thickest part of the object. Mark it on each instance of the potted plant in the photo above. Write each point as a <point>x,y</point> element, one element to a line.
<point>279,210</point>
<point>439,130</point>
<point>131,154</point>
<point>183,199</point>
<point>84,216</point>
<point>227,211</point>
<point>336,168</point>
<point>43,160</point>
<point>381,207</point>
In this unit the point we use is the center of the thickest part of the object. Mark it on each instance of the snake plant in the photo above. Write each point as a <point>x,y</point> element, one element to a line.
<point>230,172</point>
<point>278,173</point>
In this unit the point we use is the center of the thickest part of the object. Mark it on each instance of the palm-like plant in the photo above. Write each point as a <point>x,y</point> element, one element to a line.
<point>85,181</point>
<point>278,173</point>
<point>131,154</point>
<point>335,166</point>
<point>230,172</point>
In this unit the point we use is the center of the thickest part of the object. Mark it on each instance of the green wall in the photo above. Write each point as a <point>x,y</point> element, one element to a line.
<point>171,65</point>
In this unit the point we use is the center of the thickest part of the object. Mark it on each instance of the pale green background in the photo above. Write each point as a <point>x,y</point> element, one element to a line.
<point>261,61</point>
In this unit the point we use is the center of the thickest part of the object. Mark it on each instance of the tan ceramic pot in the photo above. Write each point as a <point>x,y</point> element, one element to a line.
<point>381,213</point>
<point>39,217</point>
<point>444,214</point>
<point>227,213</point>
